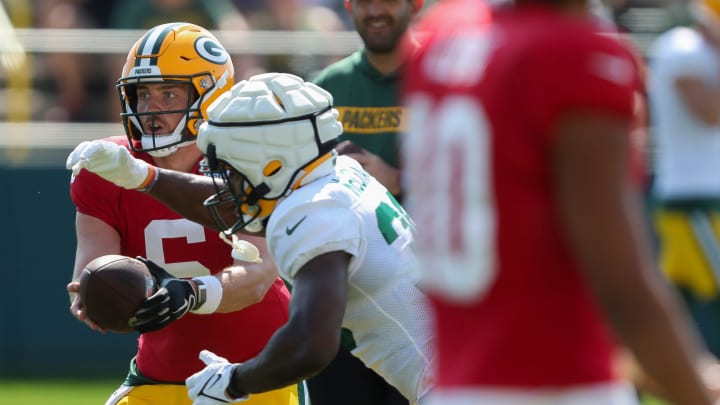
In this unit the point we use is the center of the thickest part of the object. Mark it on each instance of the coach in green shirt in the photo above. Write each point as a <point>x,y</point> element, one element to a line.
<point>365,87</point>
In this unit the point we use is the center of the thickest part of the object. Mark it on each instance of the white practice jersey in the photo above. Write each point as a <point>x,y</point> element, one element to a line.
<point>349,211</point>
<point>687,161</point>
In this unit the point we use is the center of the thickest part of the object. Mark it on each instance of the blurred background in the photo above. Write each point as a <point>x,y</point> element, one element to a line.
<point>59,60</point>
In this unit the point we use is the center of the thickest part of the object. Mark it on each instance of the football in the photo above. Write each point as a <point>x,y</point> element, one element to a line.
<point>112,288</point>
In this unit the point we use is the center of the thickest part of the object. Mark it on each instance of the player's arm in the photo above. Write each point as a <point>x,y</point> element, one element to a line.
<point>246,283</point>
<point>233,289</point>
<point>603,220</point>
<point>305,345</point>
<point>310,339</point>
<point>95,238</point>
<point>387,175</point>
<point>183,192</point>
<point>701,98</point>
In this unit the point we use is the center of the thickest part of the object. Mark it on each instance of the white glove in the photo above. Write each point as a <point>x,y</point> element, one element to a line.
<point>208,386</point>
<point>112,162</point>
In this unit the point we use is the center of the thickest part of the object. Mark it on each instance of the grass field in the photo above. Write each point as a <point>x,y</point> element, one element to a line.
<point>56,392</point>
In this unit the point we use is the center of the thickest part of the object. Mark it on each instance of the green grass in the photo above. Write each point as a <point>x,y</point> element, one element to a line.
<point>56,392</point>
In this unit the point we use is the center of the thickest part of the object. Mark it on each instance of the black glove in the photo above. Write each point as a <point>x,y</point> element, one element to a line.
<point>173,299</point>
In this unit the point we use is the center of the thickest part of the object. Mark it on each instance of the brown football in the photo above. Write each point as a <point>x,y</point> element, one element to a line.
<point>112,288</point>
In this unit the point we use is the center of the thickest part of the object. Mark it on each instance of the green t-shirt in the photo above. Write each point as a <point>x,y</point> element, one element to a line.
<point>368,103</point>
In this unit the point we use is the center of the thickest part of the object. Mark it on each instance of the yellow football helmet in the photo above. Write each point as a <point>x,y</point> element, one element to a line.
<point>173,52</point>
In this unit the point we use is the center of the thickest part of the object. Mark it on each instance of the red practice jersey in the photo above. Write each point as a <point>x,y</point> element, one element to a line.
<point>184,248</point>
<point>512,308</point>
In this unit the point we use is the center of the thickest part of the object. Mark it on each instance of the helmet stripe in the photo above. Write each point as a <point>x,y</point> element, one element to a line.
<point>151,43</point>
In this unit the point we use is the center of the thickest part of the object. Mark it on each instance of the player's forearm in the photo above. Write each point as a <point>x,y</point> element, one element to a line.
<point>386,174</point>
<point>245,285</point>
<point>665,348</point>
<point>310,339</point>
<point>648,318</point>
<point>614,250</point>
<point>184,193</point>
<point>392,181</point>
<point>701,99</point>
<point>290,357</point>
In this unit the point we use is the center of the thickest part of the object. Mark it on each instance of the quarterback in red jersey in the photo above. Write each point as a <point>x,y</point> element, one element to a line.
<point>530,230</point>
<point>173,73</point>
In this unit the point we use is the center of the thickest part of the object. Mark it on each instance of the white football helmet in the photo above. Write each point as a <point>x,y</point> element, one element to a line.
<point>265,137</point>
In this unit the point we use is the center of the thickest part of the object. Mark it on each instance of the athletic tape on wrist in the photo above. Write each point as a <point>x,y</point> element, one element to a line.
<point>213,294</point>
<point>150,180</point>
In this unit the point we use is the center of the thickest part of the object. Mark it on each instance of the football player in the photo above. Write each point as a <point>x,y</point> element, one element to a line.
<point>172,74</point>
<point>532,245</point>
<point>685,98</point>
<point>364,86</point>
<point>335,233</point>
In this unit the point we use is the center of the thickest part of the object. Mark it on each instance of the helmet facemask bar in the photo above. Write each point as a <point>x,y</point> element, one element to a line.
<point>185,130</point>
<point>232,189</point>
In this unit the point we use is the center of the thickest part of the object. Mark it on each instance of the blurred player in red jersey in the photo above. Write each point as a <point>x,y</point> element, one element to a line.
<point>530,230</point>
<point>172,74</point>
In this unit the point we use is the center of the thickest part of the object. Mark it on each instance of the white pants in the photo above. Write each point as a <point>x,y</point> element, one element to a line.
<point>618,393</point>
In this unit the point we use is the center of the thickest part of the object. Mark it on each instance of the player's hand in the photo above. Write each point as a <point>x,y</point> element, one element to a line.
<point>112,162</point>
<point>209,386</point>
<point>709,368</point>
<point>387,175</point>
<point>174,298</point>
<point>77,309</point>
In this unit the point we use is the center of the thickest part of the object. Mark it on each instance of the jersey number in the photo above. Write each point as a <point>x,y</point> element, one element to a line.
<point>448,164</point>
<point>160,229</point>
<point>386,214</point>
